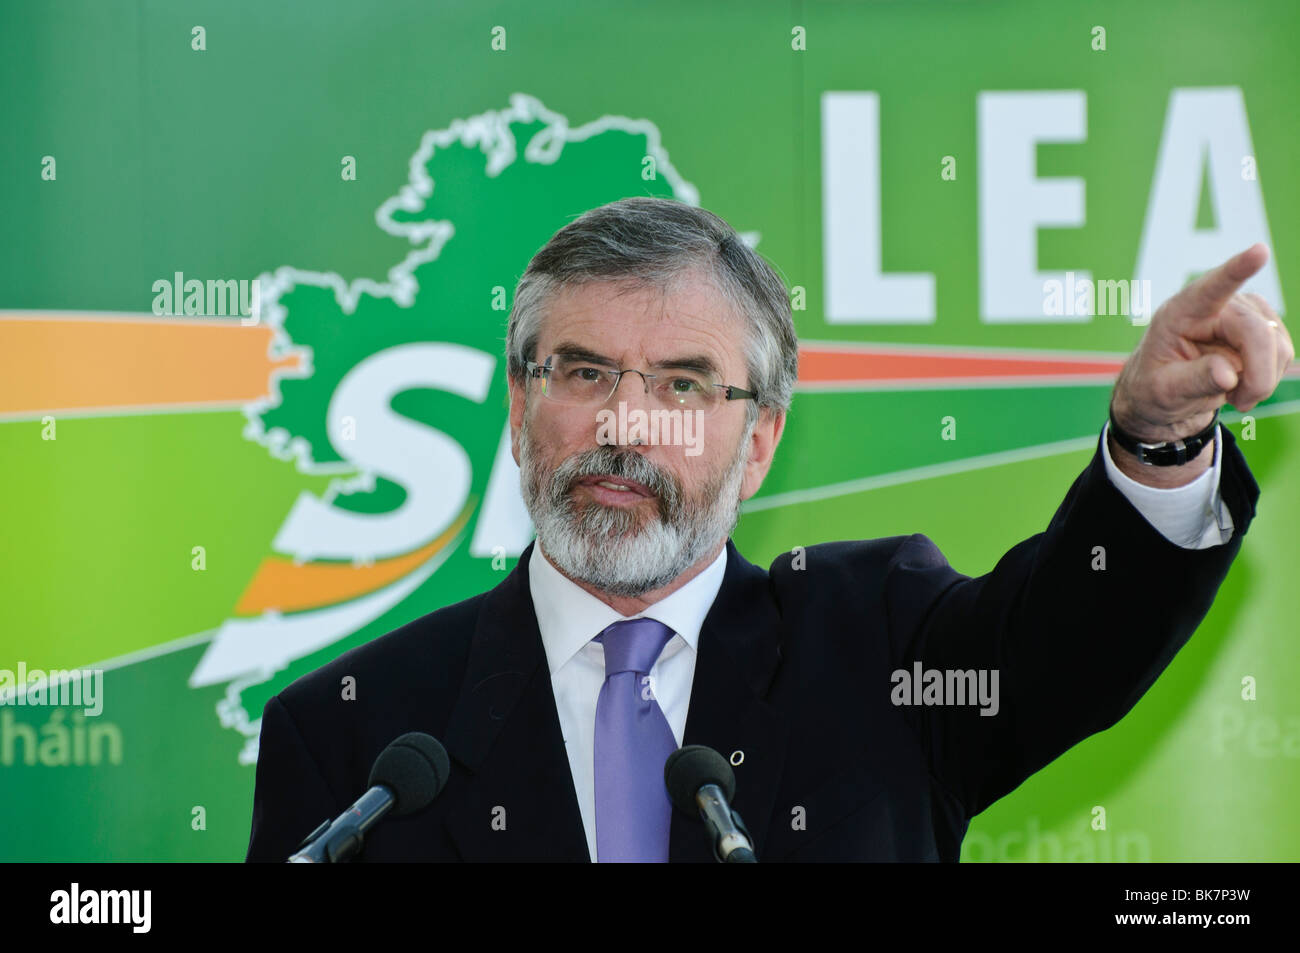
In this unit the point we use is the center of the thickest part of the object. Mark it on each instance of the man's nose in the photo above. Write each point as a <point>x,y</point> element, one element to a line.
<point>631,383</point>
<point>633,391</point>
<point>633,388</point>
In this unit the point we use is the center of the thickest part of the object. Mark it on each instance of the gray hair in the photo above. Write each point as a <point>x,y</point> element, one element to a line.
<point>654,243</point>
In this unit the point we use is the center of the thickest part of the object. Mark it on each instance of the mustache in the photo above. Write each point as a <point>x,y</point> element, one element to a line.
<point>628,464</point>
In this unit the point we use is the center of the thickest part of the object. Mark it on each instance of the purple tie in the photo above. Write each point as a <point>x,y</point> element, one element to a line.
<point>633,741</point>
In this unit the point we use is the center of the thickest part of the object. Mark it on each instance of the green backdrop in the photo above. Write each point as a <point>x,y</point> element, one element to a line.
<point>387,169</point>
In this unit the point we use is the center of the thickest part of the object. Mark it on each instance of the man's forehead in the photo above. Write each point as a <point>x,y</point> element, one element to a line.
<point>688,294</point>
<point>609,317</point>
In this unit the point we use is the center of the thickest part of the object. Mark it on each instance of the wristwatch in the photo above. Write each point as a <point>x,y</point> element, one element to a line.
<point>1170,454</point>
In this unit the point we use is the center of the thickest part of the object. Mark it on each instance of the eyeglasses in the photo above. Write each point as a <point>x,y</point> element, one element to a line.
<point>567,380</point>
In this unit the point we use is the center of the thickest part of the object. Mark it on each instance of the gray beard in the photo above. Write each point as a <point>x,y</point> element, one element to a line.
<point>603,545</point>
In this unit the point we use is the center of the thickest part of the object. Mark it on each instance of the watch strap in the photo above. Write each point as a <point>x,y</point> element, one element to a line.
<point>1173,453</point>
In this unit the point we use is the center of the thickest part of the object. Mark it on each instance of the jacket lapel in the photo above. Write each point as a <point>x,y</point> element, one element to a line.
<point>739,651</point>
<point>519,802</point>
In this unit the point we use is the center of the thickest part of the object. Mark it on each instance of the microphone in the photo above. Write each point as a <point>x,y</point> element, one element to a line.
<point>407,776</point>
<point>701,783</point>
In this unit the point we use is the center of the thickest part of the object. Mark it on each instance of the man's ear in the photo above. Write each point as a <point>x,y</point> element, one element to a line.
<point>516,415</point>
<point>762,448</point>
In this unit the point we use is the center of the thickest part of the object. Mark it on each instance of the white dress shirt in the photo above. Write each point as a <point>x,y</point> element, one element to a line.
<point>569,618</point>
<point>1191,516</point>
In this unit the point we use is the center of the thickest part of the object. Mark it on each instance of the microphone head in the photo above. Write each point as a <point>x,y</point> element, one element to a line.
<point>689,769</point>
<point>415,768</point>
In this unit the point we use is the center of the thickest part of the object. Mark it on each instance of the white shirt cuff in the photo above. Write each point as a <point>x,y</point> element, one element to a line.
<point>1191,516</point>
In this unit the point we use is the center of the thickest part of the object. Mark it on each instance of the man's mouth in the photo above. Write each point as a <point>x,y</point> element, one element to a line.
<point>614,490</point>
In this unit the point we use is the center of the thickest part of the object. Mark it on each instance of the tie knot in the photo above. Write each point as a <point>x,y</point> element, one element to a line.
<point>633,645</point>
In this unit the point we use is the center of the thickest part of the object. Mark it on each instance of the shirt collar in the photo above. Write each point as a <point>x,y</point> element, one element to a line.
<point>569,617</point>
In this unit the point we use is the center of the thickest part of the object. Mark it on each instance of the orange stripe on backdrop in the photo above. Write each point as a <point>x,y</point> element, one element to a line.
<point>825,365</point>
<point>285,586</point>
<point>79,362</point>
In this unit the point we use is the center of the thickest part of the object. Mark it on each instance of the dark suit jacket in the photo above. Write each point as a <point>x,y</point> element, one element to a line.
<point>794,670</point>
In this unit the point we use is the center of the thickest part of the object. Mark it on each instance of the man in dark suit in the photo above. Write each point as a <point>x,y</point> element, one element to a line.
<point>871,698</point>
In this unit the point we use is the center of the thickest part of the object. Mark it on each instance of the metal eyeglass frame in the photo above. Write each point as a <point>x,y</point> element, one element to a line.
<point>730,391</point>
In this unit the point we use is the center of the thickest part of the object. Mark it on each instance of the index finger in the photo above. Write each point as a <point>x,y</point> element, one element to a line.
<point>1207,295</point>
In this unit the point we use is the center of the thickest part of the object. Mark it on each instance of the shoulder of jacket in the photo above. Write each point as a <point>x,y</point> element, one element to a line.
<point>433,639</point>
<point>854,555</point>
